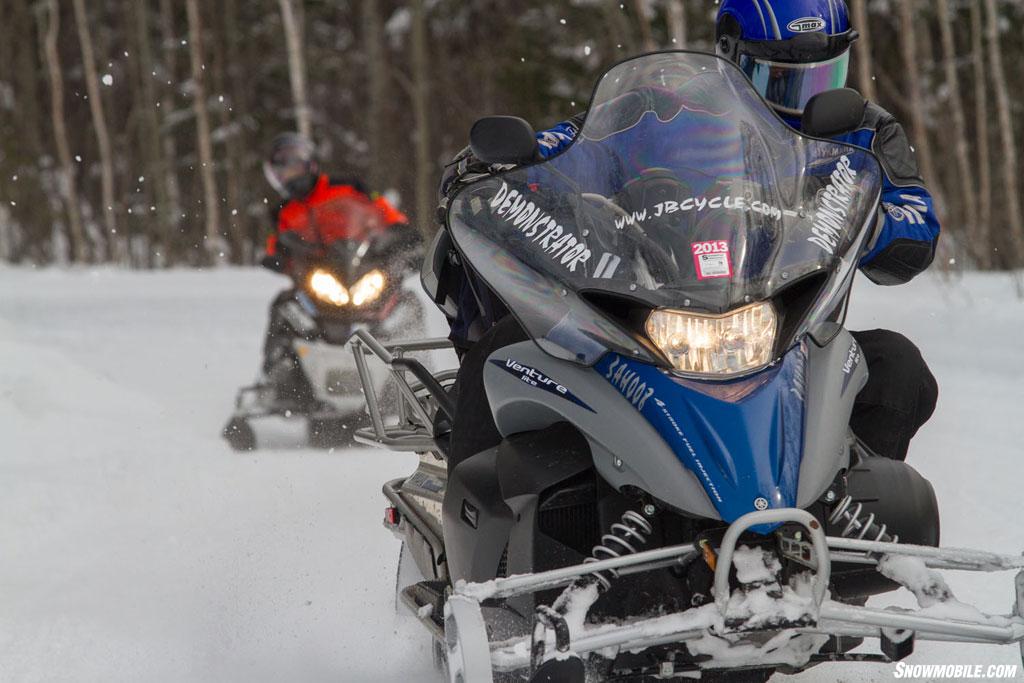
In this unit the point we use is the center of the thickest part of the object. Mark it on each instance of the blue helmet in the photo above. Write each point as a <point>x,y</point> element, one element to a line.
<point>791,49</point>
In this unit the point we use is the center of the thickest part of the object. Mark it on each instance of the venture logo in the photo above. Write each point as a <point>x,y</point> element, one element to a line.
<point>853,357</point>
<point>536,378</point>
<point>806,25</point>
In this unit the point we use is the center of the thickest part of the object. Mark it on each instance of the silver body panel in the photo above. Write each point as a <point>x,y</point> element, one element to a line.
<point>627,450</point>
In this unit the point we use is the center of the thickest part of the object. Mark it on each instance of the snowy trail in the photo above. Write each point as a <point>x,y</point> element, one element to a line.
<point>135,546</point>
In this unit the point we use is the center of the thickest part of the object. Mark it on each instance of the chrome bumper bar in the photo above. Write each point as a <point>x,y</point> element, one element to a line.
<point>826,616</point>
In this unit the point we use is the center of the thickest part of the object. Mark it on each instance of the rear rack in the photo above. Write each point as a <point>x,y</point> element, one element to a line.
<point>419,402</point>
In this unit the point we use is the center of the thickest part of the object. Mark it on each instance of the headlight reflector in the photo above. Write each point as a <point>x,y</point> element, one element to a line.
<point>368,288</point>
<point>716,345</point>
<point>328,288</point>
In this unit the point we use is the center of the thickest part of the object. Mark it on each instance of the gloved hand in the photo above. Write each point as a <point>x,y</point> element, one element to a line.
<point>274,263</point>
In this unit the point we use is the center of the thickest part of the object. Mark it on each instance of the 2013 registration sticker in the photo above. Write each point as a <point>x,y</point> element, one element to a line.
<point>712,259</point>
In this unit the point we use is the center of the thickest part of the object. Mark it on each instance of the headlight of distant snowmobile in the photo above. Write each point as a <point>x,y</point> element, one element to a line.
<point>368,288</point>
<point>721,345</point>
<point>327,288</point>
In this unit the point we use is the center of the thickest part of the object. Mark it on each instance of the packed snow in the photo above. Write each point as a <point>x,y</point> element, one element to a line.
<point>135,545</point>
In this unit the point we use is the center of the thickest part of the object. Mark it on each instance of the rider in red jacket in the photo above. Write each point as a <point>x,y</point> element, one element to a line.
<point>321,208</point>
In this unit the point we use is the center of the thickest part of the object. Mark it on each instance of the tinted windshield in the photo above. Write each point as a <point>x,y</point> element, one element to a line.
<point>683,190</point>
<point>326,221</point>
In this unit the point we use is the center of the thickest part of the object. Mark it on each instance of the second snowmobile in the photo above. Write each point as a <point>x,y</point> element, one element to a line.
<point>338,287</point>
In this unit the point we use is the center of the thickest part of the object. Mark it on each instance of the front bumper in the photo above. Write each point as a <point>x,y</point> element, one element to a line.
<point>803,620</point>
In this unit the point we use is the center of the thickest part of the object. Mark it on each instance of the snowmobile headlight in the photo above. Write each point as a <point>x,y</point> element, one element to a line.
<point>368,288</point>
<point>328,288</point>
<point>716,345</point>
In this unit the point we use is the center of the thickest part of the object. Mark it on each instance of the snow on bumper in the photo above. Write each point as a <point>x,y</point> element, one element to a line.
<point>798,622</point>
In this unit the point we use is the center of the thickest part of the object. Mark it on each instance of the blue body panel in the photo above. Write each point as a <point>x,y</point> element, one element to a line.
<point>743,439</point>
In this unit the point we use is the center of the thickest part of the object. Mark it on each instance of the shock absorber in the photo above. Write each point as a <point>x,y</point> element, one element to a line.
<point>626,537</point>
<point>857,524</point>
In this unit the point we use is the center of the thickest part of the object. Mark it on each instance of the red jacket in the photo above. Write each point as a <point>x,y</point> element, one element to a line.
<point>335,212</point>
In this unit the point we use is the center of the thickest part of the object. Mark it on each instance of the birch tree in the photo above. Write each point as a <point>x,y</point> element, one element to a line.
<point>296,66</point>
<point>170,147</point>
<point>646,37</point>
<point>983,237</point>
<point>677,23</point>
<point>99,122</point>
<point>376,87</point>
<point>915,100</point>
<point>421,115</point>
<point>1015,223</point>
<point>66,178</point>
<point>215,244</point>
<point>161,230</point>
<point>968,200</point>
<point>865,64</point>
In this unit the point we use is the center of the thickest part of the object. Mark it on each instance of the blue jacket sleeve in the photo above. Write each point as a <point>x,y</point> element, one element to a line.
<point>905,241</point>
<point>908,215</point>
<point>554,140</point>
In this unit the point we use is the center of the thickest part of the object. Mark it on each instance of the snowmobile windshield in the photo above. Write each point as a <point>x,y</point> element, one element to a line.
<point>683,190</point>
<point>325,222</point>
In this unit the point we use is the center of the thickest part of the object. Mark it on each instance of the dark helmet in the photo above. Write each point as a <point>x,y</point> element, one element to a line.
<point>291,167</point>
<point>791,49</point>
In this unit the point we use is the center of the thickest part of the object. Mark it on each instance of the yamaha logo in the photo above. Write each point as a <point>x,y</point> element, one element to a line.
<point>806,25</point>
<point>761,503</point>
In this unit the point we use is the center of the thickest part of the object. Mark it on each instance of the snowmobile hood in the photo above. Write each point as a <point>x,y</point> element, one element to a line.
<point>742,439</point>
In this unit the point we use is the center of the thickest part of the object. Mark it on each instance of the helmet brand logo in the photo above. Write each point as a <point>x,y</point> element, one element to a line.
<point>806,25</point>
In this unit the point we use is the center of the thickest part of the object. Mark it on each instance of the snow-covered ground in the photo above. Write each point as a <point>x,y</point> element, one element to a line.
<point>135,546</point>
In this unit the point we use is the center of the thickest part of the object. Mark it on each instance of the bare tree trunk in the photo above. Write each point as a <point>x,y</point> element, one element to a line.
<point>621,31</point>
<point>236,142</point>
<point>34,212</point>
<point>231,152</point>
<point>167,137</point>
<point>983,246</point>
<point>644,21</point>
<point>421,115</point>
<point>908,43</point>
<point>296,66</point>
<point>1015,222</point>
<point>376,72</point>
<point>968,201</point>
<point>215,244</point>
<point>865,64</point>
<point>76,233</point>
<point>677,23</point>
<point>99,121</point>
<point>161,227</point>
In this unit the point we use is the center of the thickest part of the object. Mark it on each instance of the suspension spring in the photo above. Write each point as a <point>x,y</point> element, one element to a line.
<point>626,537</point>
<point>857,524</point>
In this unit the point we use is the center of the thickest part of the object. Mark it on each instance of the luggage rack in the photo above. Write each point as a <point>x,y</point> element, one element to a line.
<point>419,402</point>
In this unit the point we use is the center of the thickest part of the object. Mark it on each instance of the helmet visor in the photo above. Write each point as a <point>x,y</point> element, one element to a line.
<point>790,86</point>
<point>280,175</point>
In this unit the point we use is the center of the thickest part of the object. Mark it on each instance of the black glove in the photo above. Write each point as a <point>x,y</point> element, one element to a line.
<point>274,263</point>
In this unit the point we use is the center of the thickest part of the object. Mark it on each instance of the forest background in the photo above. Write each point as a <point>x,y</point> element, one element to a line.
<point>134,131</point>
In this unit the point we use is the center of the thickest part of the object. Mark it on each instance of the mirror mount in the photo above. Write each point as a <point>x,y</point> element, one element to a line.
<point>833,113</point>
<point>503,140</point>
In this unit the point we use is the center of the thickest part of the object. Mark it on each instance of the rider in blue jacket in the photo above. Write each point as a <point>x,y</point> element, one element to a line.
<point>791,50</point>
